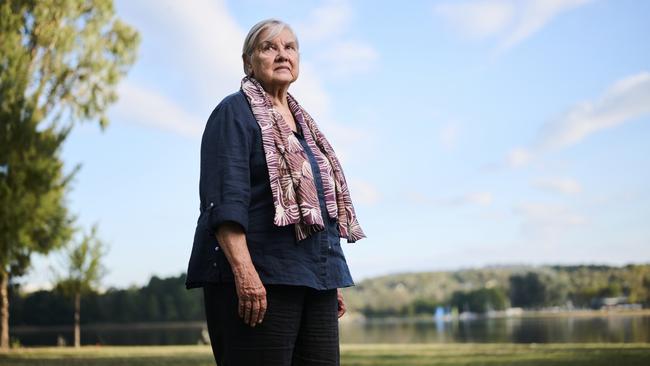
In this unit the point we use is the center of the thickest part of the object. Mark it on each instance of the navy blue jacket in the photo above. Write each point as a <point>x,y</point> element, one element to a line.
<point>234,186</point>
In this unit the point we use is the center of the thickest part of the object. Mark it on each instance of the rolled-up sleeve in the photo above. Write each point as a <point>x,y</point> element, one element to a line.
<point>225,169</point>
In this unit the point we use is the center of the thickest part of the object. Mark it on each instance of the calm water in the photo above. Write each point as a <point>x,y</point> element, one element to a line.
<point>564,329</point>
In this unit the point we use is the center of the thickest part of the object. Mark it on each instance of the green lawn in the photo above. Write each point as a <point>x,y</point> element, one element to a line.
<point>355,355</point>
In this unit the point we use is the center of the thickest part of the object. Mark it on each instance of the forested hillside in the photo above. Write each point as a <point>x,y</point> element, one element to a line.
<point>500,287</point>
<point>407,294</point>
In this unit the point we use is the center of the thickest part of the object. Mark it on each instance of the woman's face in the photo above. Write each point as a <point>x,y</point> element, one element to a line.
<point>275,62</point>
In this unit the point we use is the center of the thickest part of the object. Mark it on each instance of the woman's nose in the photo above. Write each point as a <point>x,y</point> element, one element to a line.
<point>282,54</point>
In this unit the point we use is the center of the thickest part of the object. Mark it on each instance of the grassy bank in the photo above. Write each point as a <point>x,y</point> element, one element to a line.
<point>354,355</point>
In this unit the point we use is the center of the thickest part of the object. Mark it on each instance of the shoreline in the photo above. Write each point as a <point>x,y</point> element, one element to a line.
<point>348,318</point>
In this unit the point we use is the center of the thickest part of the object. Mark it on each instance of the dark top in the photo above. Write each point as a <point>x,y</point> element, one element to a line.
<point>234,186</point>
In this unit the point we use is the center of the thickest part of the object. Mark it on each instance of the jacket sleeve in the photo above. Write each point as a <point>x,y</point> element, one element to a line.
<point>225,169</point>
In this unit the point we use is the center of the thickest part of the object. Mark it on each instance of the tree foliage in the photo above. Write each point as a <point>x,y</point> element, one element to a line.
<point>60,62</point>
<point>480,300</point>
<point>84,268</point>
<point>162,299</point>
<point>83,262</point>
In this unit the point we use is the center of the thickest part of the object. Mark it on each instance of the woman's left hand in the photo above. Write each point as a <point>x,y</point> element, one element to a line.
<point>339,296</point>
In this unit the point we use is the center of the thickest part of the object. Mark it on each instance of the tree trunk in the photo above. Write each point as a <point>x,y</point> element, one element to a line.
<point>77,329</point>
<point>4,310</point>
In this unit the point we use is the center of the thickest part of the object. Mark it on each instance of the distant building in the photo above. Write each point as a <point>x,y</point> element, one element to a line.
<point>614,303</point>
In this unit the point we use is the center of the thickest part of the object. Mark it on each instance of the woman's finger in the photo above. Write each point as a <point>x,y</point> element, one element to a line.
<point>263,306</point>
<point>248,306</point>
<point>341,304</point>
<point>255,312</point>
<point>341,309</point>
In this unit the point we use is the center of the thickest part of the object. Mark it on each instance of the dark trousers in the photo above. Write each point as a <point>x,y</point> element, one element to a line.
<point>300,327</point>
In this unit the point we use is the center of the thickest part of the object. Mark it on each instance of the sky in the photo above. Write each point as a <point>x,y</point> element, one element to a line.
<point>472,133</point>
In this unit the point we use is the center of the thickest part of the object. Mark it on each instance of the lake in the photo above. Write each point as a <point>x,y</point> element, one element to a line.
<point>616,328</point>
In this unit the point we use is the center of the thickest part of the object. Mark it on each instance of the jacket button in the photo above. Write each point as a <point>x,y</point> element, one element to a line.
<point>216,248</point>
<point>214,264</point>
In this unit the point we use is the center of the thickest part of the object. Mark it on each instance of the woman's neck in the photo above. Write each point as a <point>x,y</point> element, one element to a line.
<point>277,94</point>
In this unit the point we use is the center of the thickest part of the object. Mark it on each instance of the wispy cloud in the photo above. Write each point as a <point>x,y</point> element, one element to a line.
<point>545,222</point>
<point>448,135</point>
<point>568,186</point>
<point>349,56</point>
<point>329,20</point>
<point>340,55</point>
<point>477,19</point>
<point>206,41</point>
<point>149,108</point>
<point>511,21</point>
<point>625,100</point>
<point>478,198</point>
<point>364,192</point>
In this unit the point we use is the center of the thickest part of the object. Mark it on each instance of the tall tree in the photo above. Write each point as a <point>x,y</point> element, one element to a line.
<point>527,291</point>
<point>84,271</point>
<point>60,61</point>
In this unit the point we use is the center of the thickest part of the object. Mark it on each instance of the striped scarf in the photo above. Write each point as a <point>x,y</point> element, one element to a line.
<point>290,174</point>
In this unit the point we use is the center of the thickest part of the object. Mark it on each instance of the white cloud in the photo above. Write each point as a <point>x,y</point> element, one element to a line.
<point>512,20</point>
<point>625,100</point>
<point>477,19</point>
<point>518,157</point>
<point>566,186</point>
<point>534,15</point>
<point>149,108</point>
<point>328,27</point>
<point>326,21</point>
<point>448,135</point>
<point>547,223</point>
<point>363,192</point>
<point>478,198</point>
<point>347,57</point>
<point>198,39</point>
<point>203,41</point>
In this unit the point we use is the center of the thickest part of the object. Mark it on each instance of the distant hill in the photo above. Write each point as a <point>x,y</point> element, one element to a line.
<point>579,286</point>
<point>406,294</point>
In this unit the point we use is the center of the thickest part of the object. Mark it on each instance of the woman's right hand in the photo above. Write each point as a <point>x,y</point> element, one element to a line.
<point>250,290</point>
<point>251,293</point>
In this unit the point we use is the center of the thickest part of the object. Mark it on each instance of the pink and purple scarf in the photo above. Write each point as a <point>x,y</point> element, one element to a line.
<point>292,180</point>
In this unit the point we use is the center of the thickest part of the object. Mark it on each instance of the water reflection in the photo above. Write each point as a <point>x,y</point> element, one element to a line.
<point>561,329</point>
<point>554,329</point>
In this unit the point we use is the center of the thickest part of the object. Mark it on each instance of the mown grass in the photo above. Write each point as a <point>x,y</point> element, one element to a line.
<point>354,355</point>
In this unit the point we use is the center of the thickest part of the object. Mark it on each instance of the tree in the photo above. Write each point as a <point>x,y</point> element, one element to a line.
<point>527,290</point>
<point>59,64</point>
<point>480,300</point>
<point>84,272</point>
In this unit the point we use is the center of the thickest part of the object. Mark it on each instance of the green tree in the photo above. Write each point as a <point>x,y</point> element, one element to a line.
<point>480,300</point>
<point>84,271</point>
<point>527,290</point>
<point>59,64</point>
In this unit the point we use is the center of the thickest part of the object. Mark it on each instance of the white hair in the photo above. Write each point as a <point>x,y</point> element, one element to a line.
<point>273,28</point>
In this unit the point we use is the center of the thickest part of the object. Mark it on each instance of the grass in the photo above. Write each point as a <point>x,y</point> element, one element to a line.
<point>628,354</point>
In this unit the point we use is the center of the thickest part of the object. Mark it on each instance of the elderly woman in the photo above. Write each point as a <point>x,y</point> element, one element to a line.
<point>274,205</point>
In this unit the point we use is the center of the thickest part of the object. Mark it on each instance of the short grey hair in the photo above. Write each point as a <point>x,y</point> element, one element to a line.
<point>273,28</point>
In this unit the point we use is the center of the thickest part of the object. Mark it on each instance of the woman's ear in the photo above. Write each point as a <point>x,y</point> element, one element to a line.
<point>248,66</point>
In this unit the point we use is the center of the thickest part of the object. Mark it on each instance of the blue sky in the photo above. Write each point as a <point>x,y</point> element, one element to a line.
<point>472,133</point>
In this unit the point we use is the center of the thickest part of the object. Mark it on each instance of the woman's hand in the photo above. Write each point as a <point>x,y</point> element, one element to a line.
<point>250,290</point>
<point>339,296</point>
<point>252,295</point>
